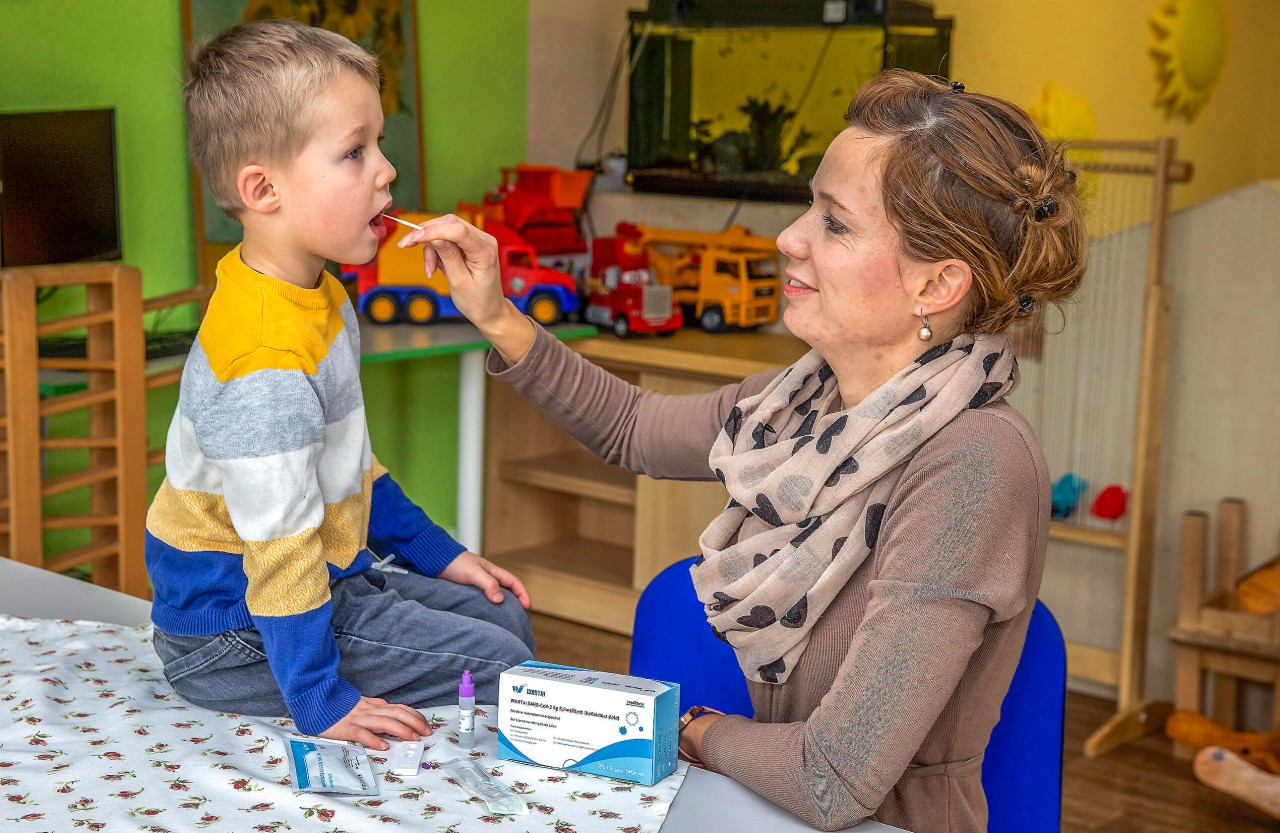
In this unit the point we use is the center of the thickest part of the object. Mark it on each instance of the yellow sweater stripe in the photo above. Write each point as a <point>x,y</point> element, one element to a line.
<point>303,322</point>
<point>194,521</point>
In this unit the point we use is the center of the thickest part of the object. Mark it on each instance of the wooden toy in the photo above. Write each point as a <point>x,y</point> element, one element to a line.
<point>1228,772</point>
<point>1214,632</point>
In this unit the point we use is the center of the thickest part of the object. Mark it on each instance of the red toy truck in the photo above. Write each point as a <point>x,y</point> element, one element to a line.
<point>540,203</point>
<point>622,293</point>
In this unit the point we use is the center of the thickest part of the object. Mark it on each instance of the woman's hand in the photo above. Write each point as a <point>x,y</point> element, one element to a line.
<point>691,737</point>
<point>374,716</point>
<point>469,259</point>
<point>469,568</point>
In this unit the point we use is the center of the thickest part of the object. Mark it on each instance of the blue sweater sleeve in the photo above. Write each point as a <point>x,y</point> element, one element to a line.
<point>398,526</point>
<point>303,656</point>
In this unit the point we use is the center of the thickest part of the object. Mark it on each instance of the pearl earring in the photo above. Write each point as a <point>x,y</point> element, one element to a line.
<point>924,334</point>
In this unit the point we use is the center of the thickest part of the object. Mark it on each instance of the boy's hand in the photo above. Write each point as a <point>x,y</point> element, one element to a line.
<point>373,716</point>
<point>469,568</point>
<point>469,259</point>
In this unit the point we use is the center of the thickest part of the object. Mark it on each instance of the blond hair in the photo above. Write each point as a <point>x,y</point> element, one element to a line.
<point>971,177</point>
<point>250,96</point>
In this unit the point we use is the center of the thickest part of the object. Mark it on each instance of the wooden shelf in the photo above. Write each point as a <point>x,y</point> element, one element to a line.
<point>723,357</point>
<point>1108,539</point>
<point>573,473</point>
<point>578,579</point>
<point>586,537</point>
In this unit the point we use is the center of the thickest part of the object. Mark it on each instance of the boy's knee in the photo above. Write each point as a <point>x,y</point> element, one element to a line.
<point>516,650</point>
<point>508,654</point>
<point>511,611</point>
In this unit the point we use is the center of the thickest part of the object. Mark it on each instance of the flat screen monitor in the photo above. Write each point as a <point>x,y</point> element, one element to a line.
<point>58,196</point>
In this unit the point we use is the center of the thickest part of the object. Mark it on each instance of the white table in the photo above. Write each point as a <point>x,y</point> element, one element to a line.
<point>36,593</point>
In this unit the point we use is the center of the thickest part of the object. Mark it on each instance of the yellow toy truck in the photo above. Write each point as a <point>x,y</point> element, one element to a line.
<point>720,280</point>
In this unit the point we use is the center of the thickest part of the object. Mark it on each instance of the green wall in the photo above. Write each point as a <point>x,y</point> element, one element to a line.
<point>127,54</point>
<point>474,66</point>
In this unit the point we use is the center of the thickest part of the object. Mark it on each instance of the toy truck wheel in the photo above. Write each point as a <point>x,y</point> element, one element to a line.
<point>712,319</point>
<point>620,327</point>
<point>383,308</point>
<point>544,308</point>
<point>422,309</point>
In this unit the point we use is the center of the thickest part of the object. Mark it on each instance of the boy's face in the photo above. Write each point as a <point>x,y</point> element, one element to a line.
<point>332,193</point>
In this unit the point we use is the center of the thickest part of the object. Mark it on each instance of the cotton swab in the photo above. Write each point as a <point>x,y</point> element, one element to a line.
<point>403,222</point>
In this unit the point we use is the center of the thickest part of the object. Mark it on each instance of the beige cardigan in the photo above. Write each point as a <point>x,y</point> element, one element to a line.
<point>890,708</point>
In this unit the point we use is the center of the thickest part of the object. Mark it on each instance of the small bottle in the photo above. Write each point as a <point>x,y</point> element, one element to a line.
<point>466,712</point>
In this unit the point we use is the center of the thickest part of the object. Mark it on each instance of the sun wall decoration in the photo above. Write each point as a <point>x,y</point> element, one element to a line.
<point>1189,47</point>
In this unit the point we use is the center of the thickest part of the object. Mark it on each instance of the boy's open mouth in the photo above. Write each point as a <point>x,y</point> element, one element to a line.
<point>378,225</point>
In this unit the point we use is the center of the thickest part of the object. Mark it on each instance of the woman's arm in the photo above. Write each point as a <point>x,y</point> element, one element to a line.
<point>641,431</point>
<point>645,433</point>
<point>957,553</point>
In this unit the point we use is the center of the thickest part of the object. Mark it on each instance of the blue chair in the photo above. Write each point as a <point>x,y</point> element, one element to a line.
<point>1022,771</point>
<point>671,641</point>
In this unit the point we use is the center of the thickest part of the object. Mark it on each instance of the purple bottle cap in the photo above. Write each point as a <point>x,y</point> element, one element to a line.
<point>466,688</point>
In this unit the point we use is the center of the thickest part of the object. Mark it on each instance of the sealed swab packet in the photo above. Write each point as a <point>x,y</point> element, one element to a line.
<point>329,766</point>
<point>474,781</point>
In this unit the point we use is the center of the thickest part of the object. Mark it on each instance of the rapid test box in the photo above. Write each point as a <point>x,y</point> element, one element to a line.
<point>589,721</point>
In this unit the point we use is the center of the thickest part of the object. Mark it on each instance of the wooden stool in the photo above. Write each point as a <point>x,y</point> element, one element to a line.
<point>1214,634</point>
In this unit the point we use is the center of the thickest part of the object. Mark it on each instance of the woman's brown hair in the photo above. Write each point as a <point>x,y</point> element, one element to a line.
<point>971,177</point>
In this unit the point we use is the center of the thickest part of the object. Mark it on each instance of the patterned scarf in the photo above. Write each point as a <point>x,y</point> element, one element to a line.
<point>808,489</point>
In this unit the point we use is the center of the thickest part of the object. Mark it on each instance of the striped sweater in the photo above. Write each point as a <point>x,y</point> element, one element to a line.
<point>271,489</point>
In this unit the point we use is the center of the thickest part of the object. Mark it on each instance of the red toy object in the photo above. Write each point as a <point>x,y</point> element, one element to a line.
<point>622,293</point>
<point>1110,504</point>
<point>541,204</point>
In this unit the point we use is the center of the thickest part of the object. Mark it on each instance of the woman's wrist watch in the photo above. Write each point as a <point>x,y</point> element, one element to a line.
<point>694,713</point>
<point>688,717</point>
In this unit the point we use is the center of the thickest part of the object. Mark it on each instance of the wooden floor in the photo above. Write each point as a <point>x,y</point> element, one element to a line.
<point>1139,788</point>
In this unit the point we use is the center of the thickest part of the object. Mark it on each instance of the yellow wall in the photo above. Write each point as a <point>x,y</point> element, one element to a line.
<point>1099,49</point>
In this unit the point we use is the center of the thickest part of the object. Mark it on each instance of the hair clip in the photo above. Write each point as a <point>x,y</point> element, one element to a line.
<point>957,86</point>
<point>1026,302</point>
<point>1046,209</point>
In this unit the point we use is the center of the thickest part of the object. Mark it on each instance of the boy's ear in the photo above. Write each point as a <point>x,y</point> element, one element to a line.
<point>947,286</point>
<point>253,185</point>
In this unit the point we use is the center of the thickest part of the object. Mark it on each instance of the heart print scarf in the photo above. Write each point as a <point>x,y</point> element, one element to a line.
<point>808,487</point>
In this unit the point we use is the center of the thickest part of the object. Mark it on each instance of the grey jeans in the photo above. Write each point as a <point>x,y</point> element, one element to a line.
<point>403,637</point>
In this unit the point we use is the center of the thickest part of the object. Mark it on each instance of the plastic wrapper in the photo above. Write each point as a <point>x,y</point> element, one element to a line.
<point>474,781</point>
<point>329,766</point>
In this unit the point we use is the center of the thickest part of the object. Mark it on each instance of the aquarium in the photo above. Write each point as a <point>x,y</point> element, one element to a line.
<point>738,98</point>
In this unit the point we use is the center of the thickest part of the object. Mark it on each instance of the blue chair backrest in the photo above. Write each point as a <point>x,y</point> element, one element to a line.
<point>1022,771</point>
<point>672,641</point>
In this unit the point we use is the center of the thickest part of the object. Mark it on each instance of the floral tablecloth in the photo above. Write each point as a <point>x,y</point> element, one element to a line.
<point>96,740</point>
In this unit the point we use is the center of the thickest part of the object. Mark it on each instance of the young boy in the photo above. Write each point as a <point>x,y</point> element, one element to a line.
<point>265,602</point>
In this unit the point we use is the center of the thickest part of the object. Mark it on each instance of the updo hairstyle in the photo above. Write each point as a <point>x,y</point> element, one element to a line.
<point>971,177</point>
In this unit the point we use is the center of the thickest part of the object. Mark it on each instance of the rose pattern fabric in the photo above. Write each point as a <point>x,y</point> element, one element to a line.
<point>92,738</point>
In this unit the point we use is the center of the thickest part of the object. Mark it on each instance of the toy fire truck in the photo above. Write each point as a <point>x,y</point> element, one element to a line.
<point>622,294</point>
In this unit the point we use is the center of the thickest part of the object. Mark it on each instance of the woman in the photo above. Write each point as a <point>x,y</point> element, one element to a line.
<point>876,567</point>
